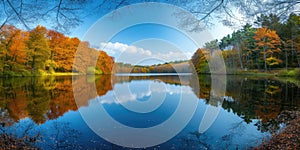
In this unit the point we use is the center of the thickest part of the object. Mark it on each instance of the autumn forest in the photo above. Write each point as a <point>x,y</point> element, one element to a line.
<point>272,45</point>
<point>41,51</point>
<point>217,74</point>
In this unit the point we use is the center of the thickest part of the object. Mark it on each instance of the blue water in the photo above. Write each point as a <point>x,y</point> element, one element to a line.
<point>153,74</point>
<point>71,131</point>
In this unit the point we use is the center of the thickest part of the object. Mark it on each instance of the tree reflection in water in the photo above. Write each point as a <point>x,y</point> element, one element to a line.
<point>260,100</point>
<point>45,98</point>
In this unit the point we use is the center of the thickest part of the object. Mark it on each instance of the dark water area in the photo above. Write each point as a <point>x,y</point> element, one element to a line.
<point>46,113</point>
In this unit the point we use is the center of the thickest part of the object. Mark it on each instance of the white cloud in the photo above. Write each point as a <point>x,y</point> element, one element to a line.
<point>137,50</point>
<point>122,98</point>
<point>144,94</point>
<point>113,48</point>
<point>127,97</point>
<point>117,48</point>
<point>134,55</point>
<point>171,56</point>
<point>111,99</point>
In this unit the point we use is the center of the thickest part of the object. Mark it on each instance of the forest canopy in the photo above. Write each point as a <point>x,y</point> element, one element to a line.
<point>41,51</point>
<point>268,44</point>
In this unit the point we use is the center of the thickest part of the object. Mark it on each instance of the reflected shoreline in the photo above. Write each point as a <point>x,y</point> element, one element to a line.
<point>258,100</point>
<point>20,93</point>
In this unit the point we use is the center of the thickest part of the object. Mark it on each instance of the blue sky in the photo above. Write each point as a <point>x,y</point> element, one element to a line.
<point>153,40</point>
<point>218,30</point>
<point>139,43</point>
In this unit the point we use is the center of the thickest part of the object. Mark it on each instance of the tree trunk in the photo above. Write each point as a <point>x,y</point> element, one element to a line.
<point>298,58</point>
<point>265,59</point>
<point>286,60</point>
<point>33,62</point>
<point>240,56</point>
<point>265,50</point>
<point>256,61</point>
<point>247,64</point>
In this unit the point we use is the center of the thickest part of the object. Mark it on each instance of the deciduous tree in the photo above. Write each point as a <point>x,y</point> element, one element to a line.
<point>39,51</point>
<point>267,43</point>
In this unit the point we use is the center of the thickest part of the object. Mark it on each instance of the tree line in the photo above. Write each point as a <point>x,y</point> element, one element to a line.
<point>181,66</point>
<point>41,51</point>
<point>269,43</point>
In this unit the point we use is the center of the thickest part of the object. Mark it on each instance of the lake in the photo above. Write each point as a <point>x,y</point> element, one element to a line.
<point>88,112</point>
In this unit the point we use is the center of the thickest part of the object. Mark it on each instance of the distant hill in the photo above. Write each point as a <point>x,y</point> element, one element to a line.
<point>169,67</point>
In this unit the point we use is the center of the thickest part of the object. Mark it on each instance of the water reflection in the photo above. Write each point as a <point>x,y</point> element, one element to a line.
<point>45,98</point>
<point>261,98</point>
<point>257,101</point>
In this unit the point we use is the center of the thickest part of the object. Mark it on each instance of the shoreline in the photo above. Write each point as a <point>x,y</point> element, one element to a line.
<point>291,73</point>
<point>288,138</point>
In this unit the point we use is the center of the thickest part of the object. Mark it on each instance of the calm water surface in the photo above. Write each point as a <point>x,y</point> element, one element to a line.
<point>45,108</point>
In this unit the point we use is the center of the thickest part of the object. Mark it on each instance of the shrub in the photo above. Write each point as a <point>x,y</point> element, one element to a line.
<point>291,73</point>
<point>297,70</point>
<point>92,70</point>
<point>282,73</point>
<point>25,73</point>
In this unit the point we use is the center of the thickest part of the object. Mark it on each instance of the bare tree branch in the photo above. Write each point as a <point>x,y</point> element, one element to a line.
<point>214,9</point>
<point>120,4</point>
<point>18,15</point>
<point>58,12</point>
<point>68,14</point>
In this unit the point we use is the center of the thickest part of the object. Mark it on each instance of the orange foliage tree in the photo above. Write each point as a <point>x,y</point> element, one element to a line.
<point>200,60</point>
<point>13,49</point>
<point>48,50</point>
<point>90,60</point>
<point>268,43</point>
<point>62,50</point>
<point>105,62</point>
<point>18,47</point>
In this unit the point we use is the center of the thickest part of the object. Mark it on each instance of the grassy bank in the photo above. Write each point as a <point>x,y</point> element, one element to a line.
<point>295,73</point>
<point>62,74</point>
<point>290,73</point>
<point>44,73</point>
<point>39,74</point>
<point>275,72</point>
